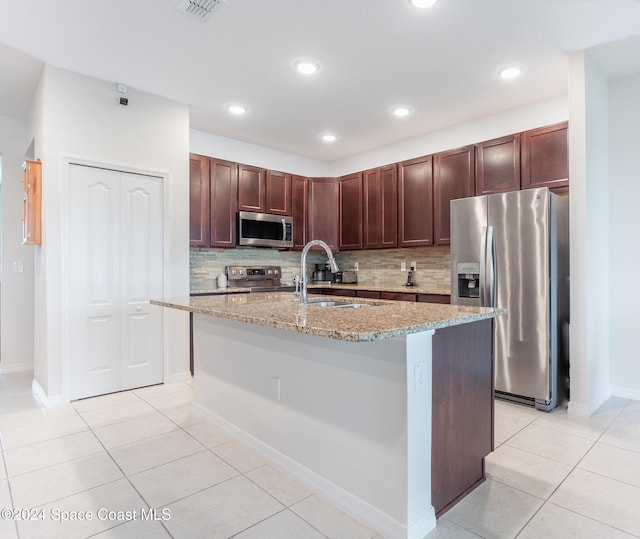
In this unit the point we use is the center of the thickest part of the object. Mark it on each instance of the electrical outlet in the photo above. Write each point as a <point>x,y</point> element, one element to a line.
<point>420,377</point>
<point>413,266</point>
<point>356,266</point>
<point>275,388</point>
<point>403,266</point>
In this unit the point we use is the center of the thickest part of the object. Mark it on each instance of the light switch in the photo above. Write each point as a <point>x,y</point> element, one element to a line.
<point>18,267</point>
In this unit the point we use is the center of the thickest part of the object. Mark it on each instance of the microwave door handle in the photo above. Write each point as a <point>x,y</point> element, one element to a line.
<point>284,229</point>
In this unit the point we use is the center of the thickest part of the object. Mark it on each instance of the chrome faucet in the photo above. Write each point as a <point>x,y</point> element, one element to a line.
<point>303,265</point>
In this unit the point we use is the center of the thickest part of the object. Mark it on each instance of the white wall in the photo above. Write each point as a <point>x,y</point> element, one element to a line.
<point>497,125</point>
<point>16,332</point>
<point>534,115</point>
<point>589,221</point>
<point>77,117</point>
<point>624,245</point>
<point>250,154</point>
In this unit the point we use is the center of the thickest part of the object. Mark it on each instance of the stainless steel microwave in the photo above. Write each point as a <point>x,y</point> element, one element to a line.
<point>264,230</point>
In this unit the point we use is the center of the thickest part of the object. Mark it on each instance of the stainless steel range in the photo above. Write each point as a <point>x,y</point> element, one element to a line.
<point>256,278</point>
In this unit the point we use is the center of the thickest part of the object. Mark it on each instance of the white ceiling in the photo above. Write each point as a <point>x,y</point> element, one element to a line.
<point>374,54</point>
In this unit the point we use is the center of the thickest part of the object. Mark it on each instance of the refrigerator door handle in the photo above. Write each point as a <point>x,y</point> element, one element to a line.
<point>483,268</point>
<point>492,269</point>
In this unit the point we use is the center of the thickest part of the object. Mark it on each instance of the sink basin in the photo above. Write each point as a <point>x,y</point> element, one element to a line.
<point>338,304</point>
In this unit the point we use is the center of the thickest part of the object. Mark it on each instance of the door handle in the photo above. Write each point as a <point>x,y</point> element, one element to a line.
<point>492,266</point>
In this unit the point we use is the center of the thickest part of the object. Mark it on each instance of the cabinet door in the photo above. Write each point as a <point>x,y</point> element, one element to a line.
<point>545,160</point>
<point>224,202</point>
<point>372,225</point>
<point>323,211</point>
<point>415,203</point>
<point>389,206</point>
<point>380,196</point>
<point>278,193</point>
<point>498,165</point>
<point>350,204</point>
<point>453,177</point>
<point>32,203</point>
<point>251,188</point>
<point>299,210</point>
<point>199,200</point>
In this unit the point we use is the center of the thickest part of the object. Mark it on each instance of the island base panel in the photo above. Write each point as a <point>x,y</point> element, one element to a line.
<point>462,419</point>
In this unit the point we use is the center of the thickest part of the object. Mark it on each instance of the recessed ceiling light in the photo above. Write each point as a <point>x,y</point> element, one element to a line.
<point>306,67</point>
<point>510,72</point>
<point>400,112</point>
<point>329,137</point>
<point>423,4</point>
<point>237,109</point>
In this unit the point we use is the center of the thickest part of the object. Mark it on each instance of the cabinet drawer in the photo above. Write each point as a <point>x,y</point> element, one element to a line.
<point>397,296</point>
<point>372,294</point>
<point>434,298</point>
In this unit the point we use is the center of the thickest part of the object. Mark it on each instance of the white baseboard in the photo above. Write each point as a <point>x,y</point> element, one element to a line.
<point>25,366</point>
<point>46,400</point>
<point>350,504</point>
<point>178,377</point>
<point>626,392</point>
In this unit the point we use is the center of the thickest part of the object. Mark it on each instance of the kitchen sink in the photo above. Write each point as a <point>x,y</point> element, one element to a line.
<point>338,304</point>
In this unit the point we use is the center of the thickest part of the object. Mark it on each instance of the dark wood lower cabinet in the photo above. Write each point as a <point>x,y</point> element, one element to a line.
<point>371,294</point>
<point>434,298</point>
<point>462,418</point>
<point>397,296</point>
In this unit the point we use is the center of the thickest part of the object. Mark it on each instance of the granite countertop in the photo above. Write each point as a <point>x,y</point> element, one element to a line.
<point>379,320</point>
<point>344,286</point>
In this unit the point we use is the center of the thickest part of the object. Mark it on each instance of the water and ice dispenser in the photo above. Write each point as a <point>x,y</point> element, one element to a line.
<point>468,279</point>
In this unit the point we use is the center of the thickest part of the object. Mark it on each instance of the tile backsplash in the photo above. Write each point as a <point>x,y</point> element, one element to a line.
<point>376,266</point>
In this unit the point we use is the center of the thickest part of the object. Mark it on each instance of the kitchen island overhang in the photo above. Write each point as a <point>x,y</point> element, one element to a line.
<point>342,399</point>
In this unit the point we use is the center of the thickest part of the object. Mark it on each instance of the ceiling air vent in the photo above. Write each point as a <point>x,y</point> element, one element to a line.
<point>202,9</point>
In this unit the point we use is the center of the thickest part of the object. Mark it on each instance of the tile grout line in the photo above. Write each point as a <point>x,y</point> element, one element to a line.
<point>575,467</point>
<point>125,477</point>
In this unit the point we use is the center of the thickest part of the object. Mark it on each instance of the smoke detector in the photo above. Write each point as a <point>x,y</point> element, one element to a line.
<point>201,9</point>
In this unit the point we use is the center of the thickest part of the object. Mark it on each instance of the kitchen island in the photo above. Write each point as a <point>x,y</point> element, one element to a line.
<point>385,409</point>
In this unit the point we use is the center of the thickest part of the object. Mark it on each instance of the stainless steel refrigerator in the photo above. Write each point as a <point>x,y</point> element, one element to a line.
<point>511,250</point>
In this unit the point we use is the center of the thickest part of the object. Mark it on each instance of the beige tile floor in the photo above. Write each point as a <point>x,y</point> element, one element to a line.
<point>551,476</point>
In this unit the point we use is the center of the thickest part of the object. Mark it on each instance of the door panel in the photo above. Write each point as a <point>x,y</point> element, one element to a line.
<point>141,252</point>
<point>115,267</point>
<point>520,220</point>
<point>468,217</point>
<point>94,273</point>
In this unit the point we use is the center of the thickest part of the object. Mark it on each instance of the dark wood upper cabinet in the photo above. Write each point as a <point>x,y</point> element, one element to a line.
<point>198,201</point>
<point>545,160</point>
<point>224,202</point>
<point>453,177</point>
<point>323,216</point>
<point>251,188</point>
<point>415,202</point>
<point>299,210</point>
<point>350,196</point>
<point>380,197</point>
<point>498,165</point>
<point>278,193</point>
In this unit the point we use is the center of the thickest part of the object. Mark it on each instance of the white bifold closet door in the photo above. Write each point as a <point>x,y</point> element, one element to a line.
<point>115,267</point>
